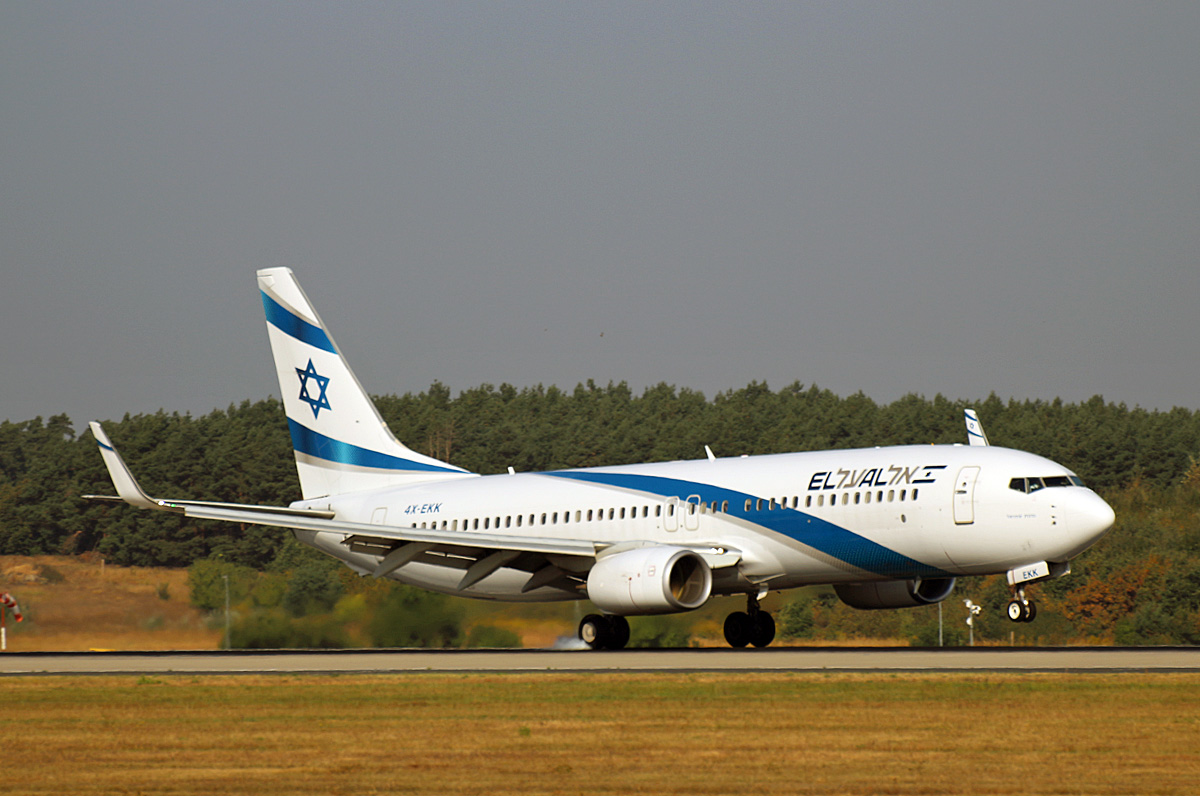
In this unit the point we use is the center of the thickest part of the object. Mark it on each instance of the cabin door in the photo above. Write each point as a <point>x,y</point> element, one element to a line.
<point>964,496</point>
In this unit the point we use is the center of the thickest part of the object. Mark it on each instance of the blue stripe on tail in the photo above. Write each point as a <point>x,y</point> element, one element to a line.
<point>294,326</point>
<point>307,441</point>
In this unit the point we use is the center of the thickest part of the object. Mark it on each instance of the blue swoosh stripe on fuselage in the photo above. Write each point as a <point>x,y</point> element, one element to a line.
<point>814,532</point>
<point>305,440</point>
<point>290,324</point>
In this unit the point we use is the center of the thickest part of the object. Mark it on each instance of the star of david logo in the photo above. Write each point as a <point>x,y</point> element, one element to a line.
<point>307,376</point>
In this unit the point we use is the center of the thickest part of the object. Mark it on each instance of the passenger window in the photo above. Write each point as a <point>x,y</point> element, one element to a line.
<point>748,502</point>
<point>808,502</point>
<point>589,515</point>
<point>868,497</point>
<point>903,492</point>
<point>915,491</point>
<point>519,520</point>
<point>856,498</point>
<point>724,506</point>
<point>820,501</point>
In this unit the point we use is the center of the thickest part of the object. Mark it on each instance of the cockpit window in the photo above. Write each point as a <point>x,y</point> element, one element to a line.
<point>1033,484</point>
<point>1058,480</point>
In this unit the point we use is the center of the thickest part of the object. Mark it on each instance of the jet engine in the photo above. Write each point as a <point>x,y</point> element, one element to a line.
<point>650,580</point>
<point>895,593</point>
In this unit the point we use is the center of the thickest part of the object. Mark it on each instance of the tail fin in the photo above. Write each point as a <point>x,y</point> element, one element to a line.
<point>341,442</point>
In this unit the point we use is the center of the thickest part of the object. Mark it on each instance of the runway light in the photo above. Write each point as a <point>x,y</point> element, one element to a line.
<point>972,612</point>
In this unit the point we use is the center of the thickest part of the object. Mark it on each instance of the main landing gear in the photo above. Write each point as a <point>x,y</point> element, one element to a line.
<point>604,632</point>
<point>1021,609</point>
<point>752,626</point>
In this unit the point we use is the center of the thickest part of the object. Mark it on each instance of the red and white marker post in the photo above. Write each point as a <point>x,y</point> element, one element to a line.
<point>7,601</point>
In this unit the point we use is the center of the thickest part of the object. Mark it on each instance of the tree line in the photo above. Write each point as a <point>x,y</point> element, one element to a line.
<point>1142,461</point>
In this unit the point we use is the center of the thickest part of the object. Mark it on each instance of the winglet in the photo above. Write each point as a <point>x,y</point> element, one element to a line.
<point>975,433</point>
<point>127,486</point>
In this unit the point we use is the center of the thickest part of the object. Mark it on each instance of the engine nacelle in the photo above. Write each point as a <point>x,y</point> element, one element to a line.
<point>895,593</point>
<point>650,580</point>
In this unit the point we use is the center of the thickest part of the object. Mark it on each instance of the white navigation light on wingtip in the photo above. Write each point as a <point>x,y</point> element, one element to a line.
<point>888,527</point>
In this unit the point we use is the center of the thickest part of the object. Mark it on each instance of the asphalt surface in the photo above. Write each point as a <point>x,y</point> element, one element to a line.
<point>796,659</point>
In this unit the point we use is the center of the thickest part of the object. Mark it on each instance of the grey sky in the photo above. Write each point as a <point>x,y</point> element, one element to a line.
<point>888,197</point>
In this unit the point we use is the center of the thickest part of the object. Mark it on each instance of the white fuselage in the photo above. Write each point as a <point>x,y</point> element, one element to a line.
<point>786,520</point>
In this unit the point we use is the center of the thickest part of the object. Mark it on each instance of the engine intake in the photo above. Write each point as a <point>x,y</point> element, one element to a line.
<point>650,580</point>
<point>895,593</point>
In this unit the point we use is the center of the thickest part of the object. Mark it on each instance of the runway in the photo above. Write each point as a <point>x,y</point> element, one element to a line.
<point>776,659</point>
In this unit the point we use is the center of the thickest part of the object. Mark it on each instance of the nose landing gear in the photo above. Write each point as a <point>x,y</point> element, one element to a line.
<point>1021,609</point>
<point>752,626</point>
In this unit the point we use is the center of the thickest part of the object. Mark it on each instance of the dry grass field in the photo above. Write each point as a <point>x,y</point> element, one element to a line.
<point>78,603</point>
<point>603,733</point>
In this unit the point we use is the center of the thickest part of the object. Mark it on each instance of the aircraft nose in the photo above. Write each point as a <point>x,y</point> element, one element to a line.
<point>1089,517</point>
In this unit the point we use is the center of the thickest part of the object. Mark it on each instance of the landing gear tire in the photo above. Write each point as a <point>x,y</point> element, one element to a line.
<point>738,629</point>
<point>763,630</point>
<point>1022,610</point>
<point>593,631</point>
<point>604,632</point>
<point>618,627</point>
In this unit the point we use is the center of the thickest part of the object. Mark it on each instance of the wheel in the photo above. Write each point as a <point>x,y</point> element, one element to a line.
<point>618,632</point>
<point>1016,611</point>
<point>737,629</point>
<point>762,630</point>
<point>1030,611</point>
<point>593,631</point>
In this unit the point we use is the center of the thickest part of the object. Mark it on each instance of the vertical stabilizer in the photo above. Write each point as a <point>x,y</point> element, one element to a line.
<point>341,442</point>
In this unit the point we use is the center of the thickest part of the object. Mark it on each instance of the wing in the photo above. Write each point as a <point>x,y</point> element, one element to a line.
<point>561,563</point>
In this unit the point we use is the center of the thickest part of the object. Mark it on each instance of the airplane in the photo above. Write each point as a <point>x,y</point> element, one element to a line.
<point>887,527</point>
